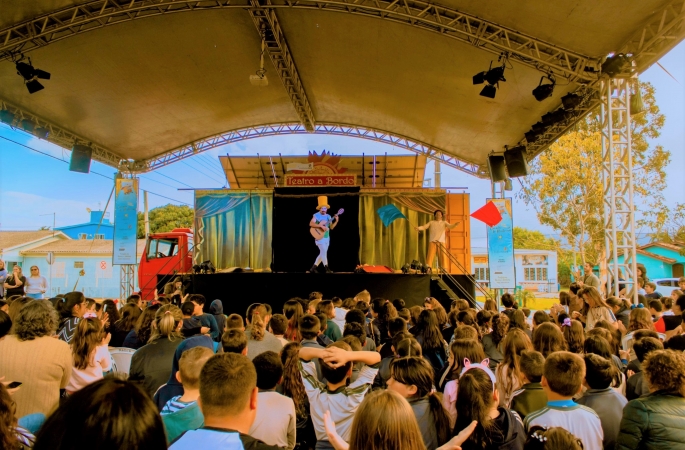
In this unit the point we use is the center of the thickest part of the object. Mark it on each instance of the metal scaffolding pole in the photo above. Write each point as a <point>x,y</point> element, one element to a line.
<point>128,280</point>
<point>617,182</point>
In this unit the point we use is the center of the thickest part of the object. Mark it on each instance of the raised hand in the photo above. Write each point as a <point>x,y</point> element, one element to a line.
<point>456,441</point>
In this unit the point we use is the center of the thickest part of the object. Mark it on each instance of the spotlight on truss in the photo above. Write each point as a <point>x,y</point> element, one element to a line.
<point>544,91</point>
<point>571,101</point>
<point>492,77</point>
<point>31,75</point>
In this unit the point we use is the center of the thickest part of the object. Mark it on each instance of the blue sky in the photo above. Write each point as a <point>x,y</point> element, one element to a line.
<point>33,185</point>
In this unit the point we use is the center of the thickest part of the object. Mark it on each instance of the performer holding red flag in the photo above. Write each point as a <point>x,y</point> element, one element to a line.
<point>436,233</point>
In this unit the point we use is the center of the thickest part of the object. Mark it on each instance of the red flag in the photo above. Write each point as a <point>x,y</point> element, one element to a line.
<point>489,214</point>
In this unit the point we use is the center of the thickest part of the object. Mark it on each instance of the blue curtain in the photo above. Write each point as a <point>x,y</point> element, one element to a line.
<point>233,228</point>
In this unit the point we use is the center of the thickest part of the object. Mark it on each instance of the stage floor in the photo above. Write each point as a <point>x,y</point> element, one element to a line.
<point>239,290</point>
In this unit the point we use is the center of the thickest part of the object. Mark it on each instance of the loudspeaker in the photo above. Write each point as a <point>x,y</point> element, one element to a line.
<point>496,164</point>
<point>80,158</point>
<point>517,161</point>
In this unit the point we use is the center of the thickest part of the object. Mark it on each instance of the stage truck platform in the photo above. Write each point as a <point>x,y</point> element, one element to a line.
<point>239,290</point>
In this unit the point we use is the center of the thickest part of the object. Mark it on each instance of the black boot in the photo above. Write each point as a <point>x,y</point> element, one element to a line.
<point>327,269</point>
<point>314,269</point>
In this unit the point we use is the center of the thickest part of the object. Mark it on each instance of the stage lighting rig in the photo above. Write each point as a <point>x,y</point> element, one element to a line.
<point>544,91</point>
<point>207,267</point>
<point>30,74</point>
<point>616,64</point>
<point>492,77</point>
<point>6,117</point>
<point>571,101</point>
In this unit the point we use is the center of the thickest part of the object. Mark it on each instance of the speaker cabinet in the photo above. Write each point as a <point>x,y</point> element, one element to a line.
<point>497,170</point>
<point>81,156</point>
<point>517,161</point>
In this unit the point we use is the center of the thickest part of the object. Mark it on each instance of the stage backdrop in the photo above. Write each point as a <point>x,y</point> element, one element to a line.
<point>233,227</point>
<point>294,249</point>
<point>399,243</point>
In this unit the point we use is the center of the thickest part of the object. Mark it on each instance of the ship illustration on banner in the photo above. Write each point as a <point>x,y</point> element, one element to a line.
<point>324,172</point>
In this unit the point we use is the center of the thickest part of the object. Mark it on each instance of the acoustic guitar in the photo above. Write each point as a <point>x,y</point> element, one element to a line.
<point>318,233</point>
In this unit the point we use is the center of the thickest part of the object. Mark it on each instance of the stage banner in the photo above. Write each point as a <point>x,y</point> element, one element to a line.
<point>501,247</point>
<point>298,180</point>
<point>125,221</point>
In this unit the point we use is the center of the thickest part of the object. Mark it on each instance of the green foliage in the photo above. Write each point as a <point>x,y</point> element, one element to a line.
<point>565,185</point>
<point>166,218</point>
<point>523,296</point>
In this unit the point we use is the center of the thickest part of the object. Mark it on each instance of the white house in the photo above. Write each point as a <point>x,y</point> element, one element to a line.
<point>536,270</point>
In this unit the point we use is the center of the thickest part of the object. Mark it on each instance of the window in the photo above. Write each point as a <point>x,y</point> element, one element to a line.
<point>99,236</point>
<point>482,273</point>
<point>162,248</point>
<point>535,274</point>
<point>82,236</point>
<point>78,264</point>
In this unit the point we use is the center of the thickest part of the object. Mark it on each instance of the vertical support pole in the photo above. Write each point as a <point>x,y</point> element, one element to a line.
<point>146,215</point>
<point>127,278</point>
<point>617,183</point>
<point>438,174</point>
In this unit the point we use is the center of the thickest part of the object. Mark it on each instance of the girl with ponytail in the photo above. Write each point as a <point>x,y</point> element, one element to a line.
<point>412,378</point>
<point>90,353</point>
<point>151,365</point>
<point>258,339</point>
<point>71,308</point>
<point>292,310</point>
<point>497,428</point>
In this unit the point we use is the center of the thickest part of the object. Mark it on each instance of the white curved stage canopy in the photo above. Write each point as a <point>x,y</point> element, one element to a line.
<point>146,83</point>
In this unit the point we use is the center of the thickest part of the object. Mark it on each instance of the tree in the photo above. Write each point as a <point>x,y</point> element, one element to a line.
<point>565,184</point>
<point>535,240</point>
<point>166,218</point>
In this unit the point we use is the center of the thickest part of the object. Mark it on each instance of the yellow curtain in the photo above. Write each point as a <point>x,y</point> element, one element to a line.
<point>395,245</point>
<point>240,234</point>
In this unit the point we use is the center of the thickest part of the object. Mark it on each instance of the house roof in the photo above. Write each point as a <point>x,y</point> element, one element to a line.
<point>13,239</point>
<point>111,225</point>
<point>97,246</point>
<point>666,245</point>
<point>657,257</point>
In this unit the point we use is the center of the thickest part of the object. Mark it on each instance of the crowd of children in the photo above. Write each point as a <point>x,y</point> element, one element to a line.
<point>358,373</point>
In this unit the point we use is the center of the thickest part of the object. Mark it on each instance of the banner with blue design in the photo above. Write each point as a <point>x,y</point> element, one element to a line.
<point>125,221</point>
<point>501,247</point>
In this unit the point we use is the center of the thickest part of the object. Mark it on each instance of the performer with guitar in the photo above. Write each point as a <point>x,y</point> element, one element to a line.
<point>320,227</point>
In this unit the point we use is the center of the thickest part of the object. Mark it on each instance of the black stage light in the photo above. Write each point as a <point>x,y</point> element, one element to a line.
<point>539,127</point>
<point>544,91</point>
<point>548,119</point>
<point>34,86</point>
<point>197,268</point>
<point>561,115</point>
<point>27,125</point>
<point>495,75</point>
<point>207,267</point>
<point>479,78</point>
<point>531,136</point>
<point>488,91</point>
<point>6,117</point>
<point>41,133</point>
<point>571,100</point>
<point>31,75</point>
<point>616,64</point>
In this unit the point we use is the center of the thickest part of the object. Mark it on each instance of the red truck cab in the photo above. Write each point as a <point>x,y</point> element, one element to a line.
<point>168,254</point>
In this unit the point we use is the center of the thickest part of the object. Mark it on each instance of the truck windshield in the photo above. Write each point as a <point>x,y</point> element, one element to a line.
<point>162,248</point>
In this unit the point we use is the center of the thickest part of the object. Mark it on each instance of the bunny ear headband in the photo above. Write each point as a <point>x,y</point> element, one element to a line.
<point>90,315</point>
<point>483,365</point>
